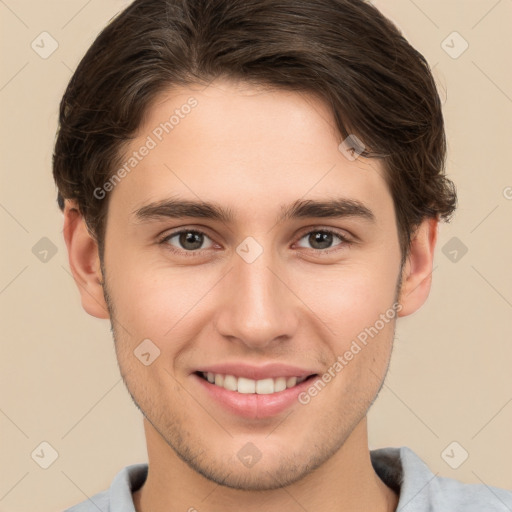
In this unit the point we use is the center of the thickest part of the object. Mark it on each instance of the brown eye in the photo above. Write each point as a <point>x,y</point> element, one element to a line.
<point>187,240</point>
<point>323,239</point>
<point>320,240</point>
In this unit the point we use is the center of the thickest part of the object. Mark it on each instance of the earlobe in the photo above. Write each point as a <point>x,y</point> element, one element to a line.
<point>84,261</point>
<point>417,271</point>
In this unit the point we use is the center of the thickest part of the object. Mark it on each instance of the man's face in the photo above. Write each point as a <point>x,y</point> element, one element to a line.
<point>254,289</point>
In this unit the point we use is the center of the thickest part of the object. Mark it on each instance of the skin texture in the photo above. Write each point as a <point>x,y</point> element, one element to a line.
<point>251,150</point>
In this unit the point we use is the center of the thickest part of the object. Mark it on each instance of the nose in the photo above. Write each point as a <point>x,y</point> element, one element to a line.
<point>256,305</point>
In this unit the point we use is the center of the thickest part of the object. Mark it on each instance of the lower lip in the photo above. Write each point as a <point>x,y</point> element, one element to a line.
<point>252,405</point>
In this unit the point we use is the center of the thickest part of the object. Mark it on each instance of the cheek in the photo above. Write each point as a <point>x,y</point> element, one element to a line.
<point>153,300</point>
<point>349,298</point>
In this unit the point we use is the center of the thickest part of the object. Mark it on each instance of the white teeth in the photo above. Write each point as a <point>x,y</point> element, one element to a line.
<point>246,385</point>
<point>230,382</point>
<point>280,384</point>
<point>243,385</point>
<point>265,386</point>
<point>291,381</point>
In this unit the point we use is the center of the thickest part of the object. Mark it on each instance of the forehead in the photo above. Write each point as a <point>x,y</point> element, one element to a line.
<point>236,143</point>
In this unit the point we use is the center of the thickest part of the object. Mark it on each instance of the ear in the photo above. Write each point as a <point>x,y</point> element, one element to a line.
<point>84,261</point>
<point>417,270</point>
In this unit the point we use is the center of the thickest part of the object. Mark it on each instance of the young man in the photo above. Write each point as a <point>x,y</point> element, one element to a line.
<point>251,193</point>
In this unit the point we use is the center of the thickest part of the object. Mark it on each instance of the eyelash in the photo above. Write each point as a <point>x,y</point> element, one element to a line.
<point>345,241</point>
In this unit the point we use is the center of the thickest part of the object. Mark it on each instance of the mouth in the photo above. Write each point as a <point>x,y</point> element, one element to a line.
<point>243,385</point>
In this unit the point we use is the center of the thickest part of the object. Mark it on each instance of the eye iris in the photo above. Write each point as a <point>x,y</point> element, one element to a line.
<point>189,237</point>
<point>324,240</point>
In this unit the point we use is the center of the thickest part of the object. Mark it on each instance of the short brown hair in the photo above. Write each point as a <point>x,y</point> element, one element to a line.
<point>346,52</point>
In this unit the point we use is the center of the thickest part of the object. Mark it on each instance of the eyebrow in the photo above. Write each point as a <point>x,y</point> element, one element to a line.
<point>177,209</point>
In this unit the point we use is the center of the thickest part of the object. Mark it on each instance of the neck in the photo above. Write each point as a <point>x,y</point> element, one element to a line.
<point>345,482</point>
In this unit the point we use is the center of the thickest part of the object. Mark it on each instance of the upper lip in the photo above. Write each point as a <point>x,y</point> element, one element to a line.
<point>267,371</point>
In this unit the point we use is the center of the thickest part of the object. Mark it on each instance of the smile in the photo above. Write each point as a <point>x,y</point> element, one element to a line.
<point>247,386</point>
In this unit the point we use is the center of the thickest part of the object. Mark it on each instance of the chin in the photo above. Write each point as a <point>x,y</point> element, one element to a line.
<point>253,479</point>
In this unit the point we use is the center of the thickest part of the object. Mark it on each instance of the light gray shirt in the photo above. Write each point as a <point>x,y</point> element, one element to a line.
<point>399,468</point>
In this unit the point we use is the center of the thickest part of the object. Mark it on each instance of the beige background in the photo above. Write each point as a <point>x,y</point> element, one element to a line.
<point>450,379</point>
